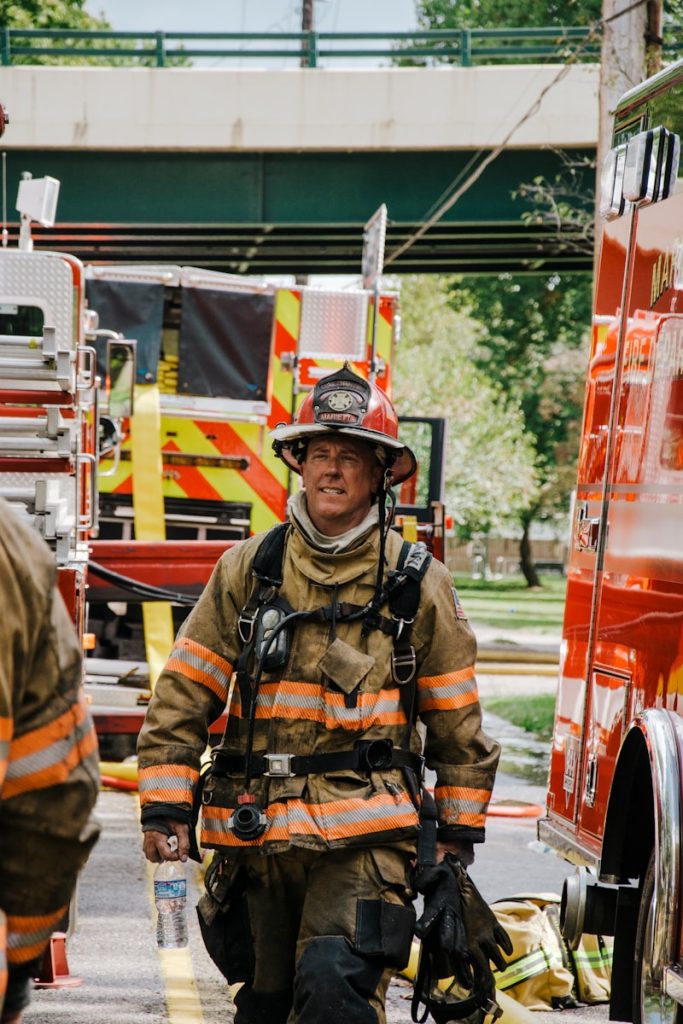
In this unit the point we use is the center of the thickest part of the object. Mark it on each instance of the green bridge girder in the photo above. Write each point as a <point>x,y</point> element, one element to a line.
<point>302,213</point>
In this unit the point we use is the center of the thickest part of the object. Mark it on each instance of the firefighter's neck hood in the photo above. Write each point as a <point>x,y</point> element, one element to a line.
<point>297,511</point>
<point>329,568</point>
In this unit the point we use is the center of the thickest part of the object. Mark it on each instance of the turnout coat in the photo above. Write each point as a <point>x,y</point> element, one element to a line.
<point>49,775</point>
<point>335,689</point>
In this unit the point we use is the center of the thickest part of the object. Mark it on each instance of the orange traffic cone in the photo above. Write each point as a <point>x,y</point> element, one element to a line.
<point>54,968</point>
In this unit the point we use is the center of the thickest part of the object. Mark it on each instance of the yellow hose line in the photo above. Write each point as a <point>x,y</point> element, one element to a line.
<point>127,770</point>
<point>491,669</point>
<point>148,509</point>
<point>521,657</point>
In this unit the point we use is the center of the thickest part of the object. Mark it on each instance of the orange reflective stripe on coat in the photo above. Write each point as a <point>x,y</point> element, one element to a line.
<point>447,692</point>
<point>3,958</point>
<point>28,936</point>
<point>201,665</point>
<point>6,727</point>
<point>48,755</point>
<point>332,821</point>
<point>462,805</point>
<point>313,702</point>
<point>167,784</point>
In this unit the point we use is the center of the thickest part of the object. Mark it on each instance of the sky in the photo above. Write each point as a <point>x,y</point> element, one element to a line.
<point>255,15</point>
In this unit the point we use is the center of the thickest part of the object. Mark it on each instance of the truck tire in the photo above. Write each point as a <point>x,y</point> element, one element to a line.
<point>650,1006</point>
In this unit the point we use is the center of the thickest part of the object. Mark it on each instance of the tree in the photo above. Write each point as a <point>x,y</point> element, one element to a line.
<point>49,14</point>
<point>533,344</point>
<point>435,14</point>
<point>67,14</point>
<point>490,475</point>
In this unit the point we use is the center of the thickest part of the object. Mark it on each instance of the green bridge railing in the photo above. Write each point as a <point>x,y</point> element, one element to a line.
<point>465,47</point>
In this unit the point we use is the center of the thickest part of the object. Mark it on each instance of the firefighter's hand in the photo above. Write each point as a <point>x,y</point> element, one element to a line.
<point>441,928</point>
<point>463,851</point>
<point>487,940</point>
<point>156,845</point>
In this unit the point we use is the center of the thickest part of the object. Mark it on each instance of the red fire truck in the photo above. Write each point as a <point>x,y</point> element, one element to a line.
<point>615,800</point>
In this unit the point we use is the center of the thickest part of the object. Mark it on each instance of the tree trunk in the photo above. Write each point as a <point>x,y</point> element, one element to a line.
<point>526,559</point>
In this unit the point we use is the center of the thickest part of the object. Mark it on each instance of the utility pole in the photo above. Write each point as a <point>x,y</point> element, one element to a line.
<point>307,17</point>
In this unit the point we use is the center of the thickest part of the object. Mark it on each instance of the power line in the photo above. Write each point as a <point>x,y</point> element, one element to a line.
<point>430,221</point>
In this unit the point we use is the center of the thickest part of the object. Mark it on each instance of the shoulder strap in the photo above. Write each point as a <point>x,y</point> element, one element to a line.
<point>267,568</point>
<point>413,562</point>
<point>267,564</point>
<point>404,599</point>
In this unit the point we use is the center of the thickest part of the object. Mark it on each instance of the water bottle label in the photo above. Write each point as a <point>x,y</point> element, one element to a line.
<point>173,889</point>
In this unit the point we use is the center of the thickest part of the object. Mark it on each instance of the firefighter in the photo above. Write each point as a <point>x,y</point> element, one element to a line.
<point>327,654</point>
<point>48,760</point>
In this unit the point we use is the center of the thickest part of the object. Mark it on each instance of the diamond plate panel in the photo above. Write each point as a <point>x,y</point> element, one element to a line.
<point>43,280</point>
<point>333,325</point>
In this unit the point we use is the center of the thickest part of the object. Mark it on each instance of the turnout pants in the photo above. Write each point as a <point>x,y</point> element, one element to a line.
<point>326,931</point>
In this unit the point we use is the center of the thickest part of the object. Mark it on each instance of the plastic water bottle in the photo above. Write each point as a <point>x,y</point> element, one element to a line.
<point>170,898</point>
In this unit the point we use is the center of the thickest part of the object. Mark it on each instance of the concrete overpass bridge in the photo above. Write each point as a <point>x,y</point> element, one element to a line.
<point>266,171</point>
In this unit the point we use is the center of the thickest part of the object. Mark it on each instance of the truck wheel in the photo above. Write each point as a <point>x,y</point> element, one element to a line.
<point>650,1005</point>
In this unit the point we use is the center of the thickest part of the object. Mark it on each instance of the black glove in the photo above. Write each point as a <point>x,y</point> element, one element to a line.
<point>485,936</point>
<point>441,927</point>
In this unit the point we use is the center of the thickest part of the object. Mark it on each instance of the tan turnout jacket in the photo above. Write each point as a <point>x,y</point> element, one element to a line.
<point>48,750</point>
<point>329,695</point>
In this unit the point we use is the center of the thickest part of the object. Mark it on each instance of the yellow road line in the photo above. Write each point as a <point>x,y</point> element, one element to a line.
<point>182,997</point>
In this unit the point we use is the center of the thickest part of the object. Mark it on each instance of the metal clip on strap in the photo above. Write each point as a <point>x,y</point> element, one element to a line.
<point>245,625</point>
<point>403,665</point>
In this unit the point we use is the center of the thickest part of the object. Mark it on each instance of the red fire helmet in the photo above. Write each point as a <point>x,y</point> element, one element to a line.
<point>347,404</point>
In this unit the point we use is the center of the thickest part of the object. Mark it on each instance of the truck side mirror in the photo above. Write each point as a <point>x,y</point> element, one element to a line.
<point>120,379</point>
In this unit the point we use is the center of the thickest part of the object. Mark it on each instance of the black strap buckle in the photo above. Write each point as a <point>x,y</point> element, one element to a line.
<point>279,766</point>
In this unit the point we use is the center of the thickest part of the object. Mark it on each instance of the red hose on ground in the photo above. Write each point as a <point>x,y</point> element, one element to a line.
<point>510,809</point>
<point>125,784</point>
<point>515,810</point>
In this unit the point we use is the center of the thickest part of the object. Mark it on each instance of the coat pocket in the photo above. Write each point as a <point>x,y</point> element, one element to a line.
<point>345,666</point>
<point>384,930</point>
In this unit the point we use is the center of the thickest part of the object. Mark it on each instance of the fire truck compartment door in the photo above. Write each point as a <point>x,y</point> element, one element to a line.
<point>135,310</point>
<point>225,344</point>
<point>609,694</point>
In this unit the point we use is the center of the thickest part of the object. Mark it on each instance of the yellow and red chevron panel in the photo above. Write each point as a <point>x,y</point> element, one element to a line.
<point>262,480</point>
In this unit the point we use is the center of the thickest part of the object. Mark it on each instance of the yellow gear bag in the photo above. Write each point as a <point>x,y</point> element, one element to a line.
<point>542,972</point>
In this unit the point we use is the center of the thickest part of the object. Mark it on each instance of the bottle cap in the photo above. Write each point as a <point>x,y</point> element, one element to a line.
<point>172,843</point>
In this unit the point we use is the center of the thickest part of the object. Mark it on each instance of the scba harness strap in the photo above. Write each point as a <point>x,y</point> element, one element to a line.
<point>265,608</point>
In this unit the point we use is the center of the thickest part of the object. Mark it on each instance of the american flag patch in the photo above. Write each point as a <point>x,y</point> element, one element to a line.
<point>459,610</point>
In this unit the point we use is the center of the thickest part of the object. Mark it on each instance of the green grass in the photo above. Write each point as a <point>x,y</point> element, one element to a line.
<point>534,714</point>
<point>510,604</point>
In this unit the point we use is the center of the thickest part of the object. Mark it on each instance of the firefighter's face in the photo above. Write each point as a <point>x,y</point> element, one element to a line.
<point>341,475</point>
